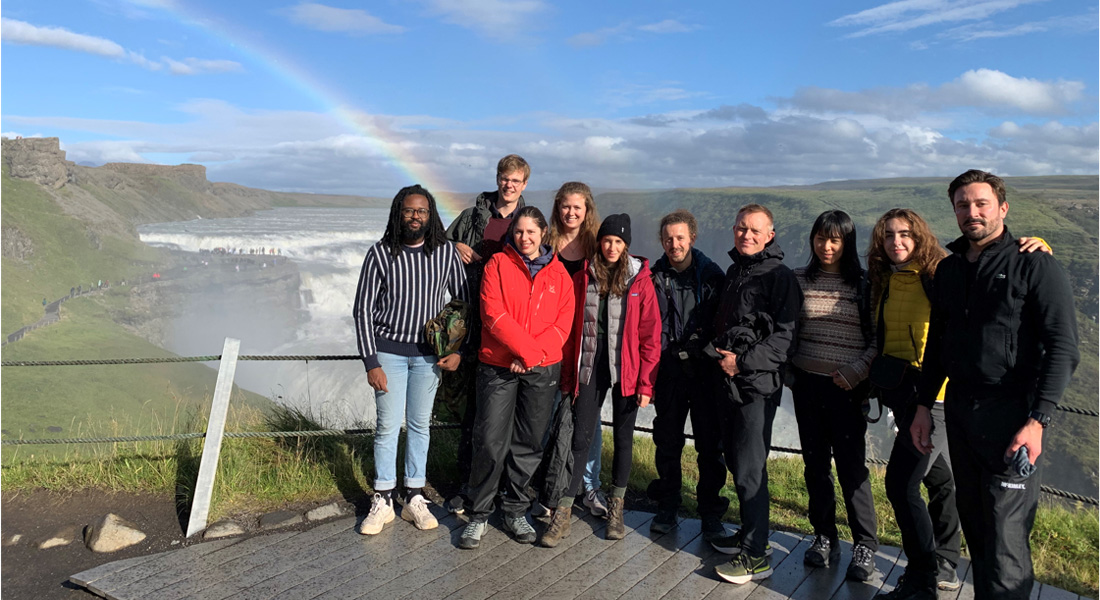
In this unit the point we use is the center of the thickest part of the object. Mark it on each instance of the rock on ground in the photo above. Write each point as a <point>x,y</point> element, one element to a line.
<point>112,533</point>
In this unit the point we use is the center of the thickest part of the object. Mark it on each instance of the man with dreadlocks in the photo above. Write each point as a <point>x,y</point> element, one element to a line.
<point>405,278</point>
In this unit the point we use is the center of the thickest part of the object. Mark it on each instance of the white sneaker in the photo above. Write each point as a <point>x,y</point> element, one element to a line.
<point>381,512</point>
<point>416,512</point>
<point>596,502</point>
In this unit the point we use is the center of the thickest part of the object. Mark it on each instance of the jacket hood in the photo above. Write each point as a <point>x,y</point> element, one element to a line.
<point>771,251</point>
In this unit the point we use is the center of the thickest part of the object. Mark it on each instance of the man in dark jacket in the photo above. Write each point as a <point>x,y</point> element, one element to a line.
<point>478,233</point>
<point>756,282</point>
<point>1004,332</point>
<point>688,284</point>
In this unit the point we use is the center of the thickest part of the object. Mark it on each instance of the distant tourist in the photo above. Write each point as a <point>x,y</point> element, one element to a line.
<point>688,286</point>
<point>479,232</point>
<point>615,345</point>
<point>835,347</point>
<point>72,292</point>
<point>519,371</point>
<point>760,305</point>
<point>1000,396</point>
<point>403,283</point>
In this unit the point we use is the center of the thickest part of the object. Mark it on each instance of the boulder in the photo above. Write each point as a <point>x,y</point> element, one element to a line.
<point>111,533</point>
<point>328,511</point>
<point>63,537</point>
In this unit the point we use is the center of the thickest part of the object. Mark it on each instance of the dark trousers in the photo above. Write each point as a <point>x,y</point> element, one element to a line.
<point>513,411</point>
<point>746,441</point>
<point>932,529</point>
<point>996,506</point>
<point>682,391</point>
<point>831,425</point>
<point>586,418</point>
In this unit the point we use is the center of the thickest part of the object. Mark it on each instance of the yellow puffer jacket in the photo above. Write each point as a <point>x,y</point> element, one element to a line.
<point>907,310</point>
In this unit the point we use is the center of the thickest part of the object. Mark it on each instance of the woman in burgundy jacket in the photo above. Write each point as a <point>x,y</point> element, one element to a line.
<point>526,314</point>
<point>615,345</point>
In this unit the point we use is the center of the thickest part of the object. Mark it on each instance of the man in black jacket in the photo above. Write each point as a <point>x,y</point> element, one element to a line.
<point>688,284</point>
<point>1004,332</point>
<point>759,289</point>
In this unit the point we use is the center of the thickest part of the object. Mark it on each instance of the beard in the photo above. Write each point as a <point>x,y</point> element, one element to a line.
<point>410,235</point>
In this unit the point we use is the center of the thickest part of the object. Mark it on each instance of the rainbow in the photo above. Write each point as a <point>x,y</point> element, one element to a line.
<point>331,101</point>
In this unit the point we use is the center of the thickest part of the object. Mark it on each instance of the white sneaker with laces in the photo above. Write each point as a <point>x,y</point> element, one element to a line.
<point>381,512</point>
<point>596,502</point>
<point>416,512</point>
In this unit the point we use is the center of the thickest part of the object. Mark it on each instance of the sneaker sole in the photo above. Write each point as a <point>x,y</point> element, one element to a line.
<point>469,545</point>
<point>364,530</point>
<point>743,579</point>
<point>948,586</point>
<point>421,526</point>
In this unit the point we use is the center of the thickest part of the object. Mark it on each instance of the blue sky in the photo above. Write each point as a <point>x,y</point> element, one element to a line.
<point>365,97</point>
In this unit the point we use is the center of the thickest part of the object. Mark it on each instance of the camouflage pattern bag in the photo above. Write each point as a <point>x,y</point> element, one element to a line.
<point>446,332</point>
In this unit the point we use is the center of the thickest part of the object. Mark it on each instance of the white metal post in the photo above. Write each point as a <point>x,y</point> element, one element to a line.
<point>212,445</point>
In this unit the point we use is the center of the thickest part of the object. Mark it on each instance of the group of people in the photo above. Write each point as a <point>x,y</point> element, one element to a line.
<point>562,316</point>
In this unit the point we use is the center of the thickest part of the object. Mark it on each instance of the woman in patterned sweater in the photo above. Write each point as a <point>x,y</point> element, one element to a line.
<point>830,368</point>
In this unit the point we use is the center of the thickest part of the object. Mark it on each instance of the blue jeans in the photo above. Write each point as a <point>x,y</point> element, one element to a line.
<point>412,381</point>
<point>595,460</point>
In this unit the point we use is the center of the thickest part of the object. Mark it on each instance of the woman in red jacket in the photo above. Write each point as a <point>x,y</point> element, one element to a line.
<point>615,345</point>
<point>526,313</point>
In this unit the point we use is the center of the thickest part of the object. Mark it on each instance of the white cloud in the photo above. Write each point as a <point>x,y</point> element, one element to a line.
<point>979,31</point>
<point>329,18</point>
<point>627,31</point>
<point>986,87</point>
<point>905,15</point>
<point>500,19</point>
<point>668,26</point>
<point>196,66</point>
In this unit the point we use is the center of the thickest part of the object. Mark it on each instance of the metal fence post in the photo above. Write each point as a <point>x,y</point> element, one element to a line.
<point>212,446</point>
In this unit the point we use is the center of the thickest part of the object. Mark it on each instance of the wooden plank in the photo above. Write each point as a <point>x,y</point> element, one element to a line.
<point>505,574</point>
<point>212,443</point>
<point>401,578</point>
<point>692,557</point>
<point>967,590</point>
<point>824,582</point>
<point>86,578</point>
<point>410,541</point>
<point>1035,591</point>
<point>613,554</point>
<point>250,571</point>
<point>789,572</point>
<point>135,581</point>
<point>589,533</point>
<point>662,548</point>
<point>782,545</point>
<point>368,550</point>
<point>889,565</point>
<point>1050,592</point>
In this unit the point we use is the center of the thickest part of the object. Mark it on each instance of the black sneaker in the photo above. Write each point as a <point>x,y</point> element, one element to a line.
<point>664,521</point>
<point>823,552</point>
<point>911,586</point>
<point>862,567</point>
<point>713,528</point>
<point>946,577</point>
<point>732,544</point>
<point>743,569</point>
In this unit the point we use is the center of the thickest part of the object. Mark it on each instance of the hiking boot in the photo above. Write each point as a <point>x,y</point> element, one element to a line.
<point>946,577</point>
<point>560,523</point>
<point>381,512</point>
<point>471,535</point>
<point>825,551</point>
<point>712,528</point>
<point>416,512</point>
<point>664,521</point>
<point>596,502</point>
<point>862,567</point>
<point>732,544</point>
<point>520,529</point>
<point>616,529</point>
<point>912,586</point>
<point>744,568</point>
<point>456,505</point>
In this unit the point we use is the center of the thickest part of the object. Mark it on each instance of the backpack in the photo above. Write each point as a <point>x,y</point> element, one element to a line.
<point>447,330</point>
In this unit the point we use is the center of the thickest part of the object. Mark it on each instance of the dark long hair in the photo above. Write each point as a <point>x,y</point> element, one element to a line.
<point>612,278</point>
<point>836,223</point>
<point>434,234</point>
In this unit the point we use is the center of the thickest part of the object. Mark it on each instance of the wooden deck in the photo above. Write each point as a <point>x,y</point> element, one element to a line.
<point>332,561</point>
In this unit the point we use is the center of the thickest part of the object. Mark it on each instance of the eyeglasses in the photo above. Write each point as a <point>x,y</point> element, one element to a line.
<point>420,212</point>
<point>515,182</point>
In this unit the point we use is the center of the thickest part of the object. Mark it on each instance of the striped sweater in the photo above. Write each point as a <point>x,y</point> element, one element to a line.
<point>829,334</point>
<point>397,296</point>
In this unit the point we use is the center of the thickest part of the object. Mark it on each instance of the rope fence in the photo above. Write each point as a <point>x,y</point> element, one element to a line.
<point>354,432</point>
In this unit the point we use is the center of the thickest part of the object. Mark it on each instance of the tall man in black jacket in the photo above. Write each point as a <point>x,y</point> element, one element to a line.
<point>688,284</point>
<point>1004,331</point>
<point>755,326</point>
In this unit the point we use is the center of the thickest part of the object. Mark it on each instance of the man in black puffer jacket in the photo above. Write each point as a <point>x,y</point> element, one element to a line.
<point>756,282</point>
<point>1004,331</point>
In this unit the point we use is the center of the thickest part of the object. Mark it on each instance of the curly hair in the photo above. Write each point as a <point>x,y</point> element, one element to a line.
<point>926,255</point>
<point>434,236</point>
<point>589,226</point>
